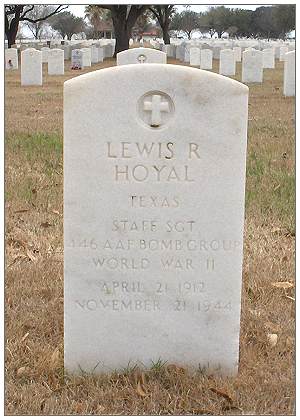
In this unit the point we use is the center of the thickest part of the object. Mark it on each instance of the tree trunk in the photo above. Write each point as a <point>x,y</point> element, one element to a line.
<point>11,28</point>
<point>122,36</point>
<point>11,36</point>
<point>166,36</point>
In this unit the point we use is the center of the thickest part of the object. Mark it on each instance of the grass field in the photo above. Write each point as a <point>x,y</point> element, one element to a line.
<point>35,380</point>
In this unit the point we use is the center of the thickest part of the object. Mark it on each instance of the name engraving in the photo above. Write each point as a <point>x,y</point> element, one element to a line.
<point>158,173</point>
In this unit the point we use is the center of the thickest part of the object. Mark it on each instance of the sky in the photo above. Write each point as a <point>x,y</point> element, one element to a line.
<point>78,10</point>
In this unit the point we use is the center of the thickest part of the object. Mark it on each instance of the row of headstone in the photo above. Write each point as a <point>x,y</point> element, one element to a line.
<point>253,62</point>
<point>217,46</point>
<point>202,58</point>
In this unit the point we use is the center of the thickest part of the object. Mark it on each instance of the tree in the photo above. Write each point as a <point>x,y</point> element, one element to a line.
<point>67,24</point>
<point>284,18</point>
<point>36,26</point>
<point>124,18</point>
<point>16,13</point>
<point>163,14</point>
<point>96,17</point>
<point>217,19</point>
<point>142,23</point>
<point>263,23</point>
<point>242,19</point>
<point>187,21</point>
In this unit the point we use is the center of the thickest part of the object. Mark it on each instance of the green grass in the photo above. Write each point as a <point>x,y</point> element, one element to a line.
<point>271,189</point>
<point>38,146</point>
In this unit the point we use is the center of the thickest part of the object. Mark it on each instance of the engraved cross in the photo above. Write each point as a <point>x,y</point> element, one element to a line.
<point>142,58</point>
<point>156,107</point>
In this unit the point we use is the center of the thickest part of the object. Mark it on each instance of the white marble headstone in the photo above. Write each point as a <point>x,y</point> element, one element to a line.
<point>31,67</point>
<point>76,59</point>
<point>268,58</point>
<point>94,54</point>
<point>283,50</point>
<point>252,66</point>
<point>141,56</point>
<point>11,59</point>
<point>237,53</point>
<point>86,57</point>
<point>227,62</point>
<point>56,64</point>
<point>195,56</point>
<point>289,74</point>
<point>45,52</point>
<point>206,59</point>
<point>153,217</point>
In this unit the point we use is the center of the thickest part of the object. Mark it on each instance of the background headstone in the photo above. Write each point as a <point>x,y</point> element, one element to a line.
<point>76,60</point>
<point>31,67</point>
<point>227,62</point>
<point>252,66</point>
<point>45,52</point>
<point>56,62</point>
<point>206,59</point>
<point>289,74</point>
<point>141,56</point>
<point>11,59</point>
<point>195,57</point>
<point>268,58</point>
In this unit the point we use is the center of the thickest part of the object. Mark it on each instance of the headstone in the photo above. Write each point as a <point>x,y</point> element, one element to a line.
<point>31,67</point>
<point>141,56</point>
<point>268,58</point>
<point>56,62</point>
<point>11,59</point>
<point>109,51</point>
<point>76,61</point>
<point>216,53</point>
<point>180,52</point>
<point>94,55</point>
<point>153,217</point>
<point>289,74</point>
<point>67,52</point>
<point>206,58</point>
<point>252,66</point>
<point>45,52</point>
<point>283,51</point>
<point>195,56</point>
<point>187,54</point>
<point>237,53</point>
<point>100,54</point>
<point>227,63</point>
<point>86,57</point>
<point>277,51</point>
<point>169,50</point>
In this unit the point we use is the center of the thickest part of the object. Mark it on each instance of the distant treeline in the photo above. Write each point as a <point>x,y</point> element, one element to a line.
<point>264,22</point>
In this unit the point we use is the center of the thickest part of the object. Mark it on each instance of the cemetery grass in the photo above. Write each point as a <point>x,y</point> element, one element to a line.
<point>36,383</point>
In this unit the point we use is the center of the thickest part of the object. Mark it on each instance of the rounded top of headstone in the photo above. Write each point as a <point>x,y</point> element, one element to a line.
<point>161,74</point>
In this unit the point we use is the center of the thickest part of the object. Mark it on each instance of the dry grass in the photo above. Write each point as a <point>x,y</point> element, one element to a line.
<point>35,381</point>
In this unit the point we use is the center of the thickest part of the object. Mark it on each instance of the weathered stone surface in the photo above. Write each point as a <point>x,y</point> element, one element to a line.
<point>141,56</point>
<point>289,74</point>
<point>227,63</point>
<point>56,65</point>
<point>11,59</point>
<point>206,58</point>
<point>252,66</point>
<point>154,167</point>
<point>31,67</point>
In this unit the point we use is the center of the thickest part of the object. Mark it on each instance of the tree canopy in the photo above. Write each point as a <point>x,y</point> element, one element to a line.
<point>16,13</point>
<point>67,24</point>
